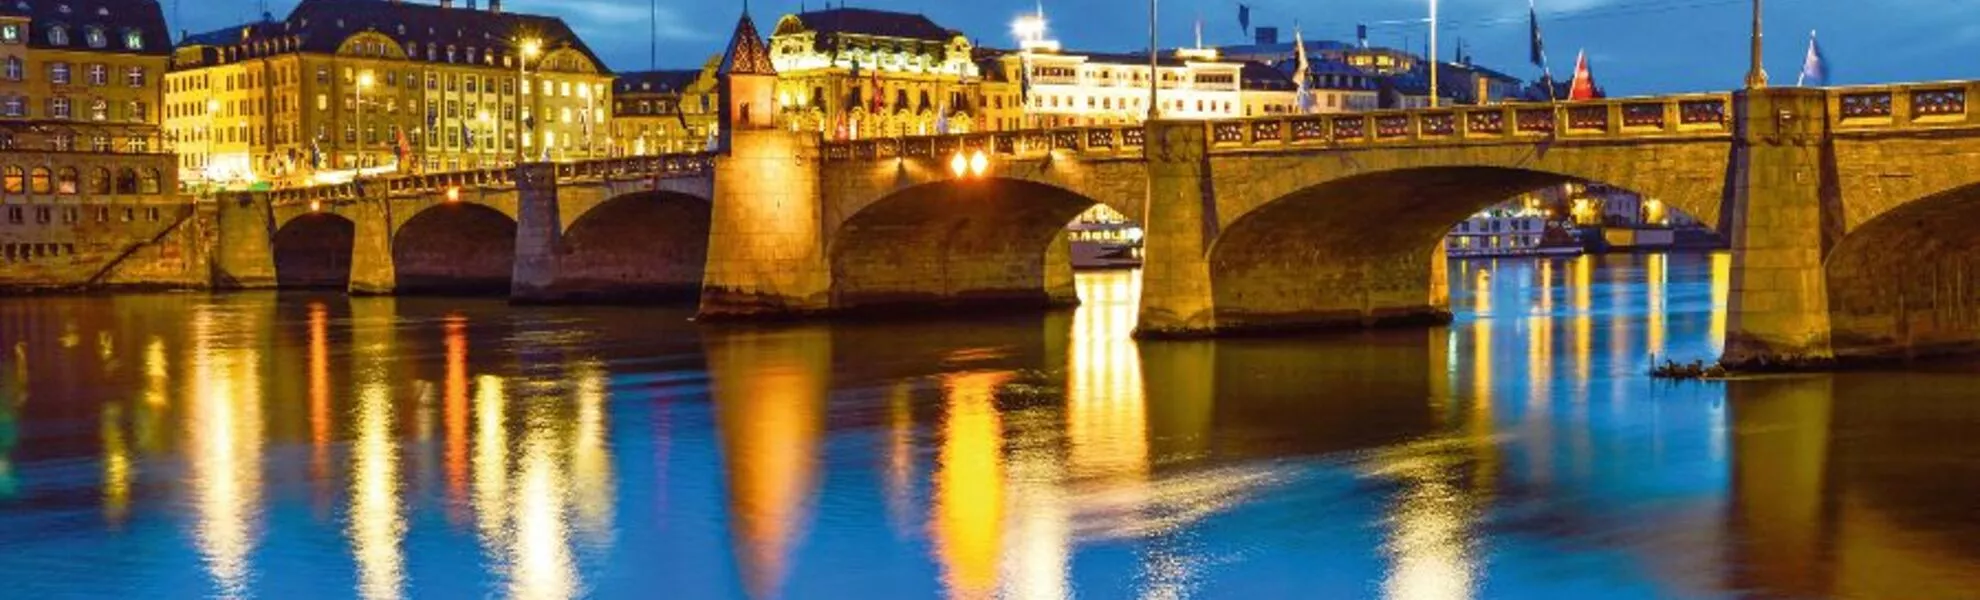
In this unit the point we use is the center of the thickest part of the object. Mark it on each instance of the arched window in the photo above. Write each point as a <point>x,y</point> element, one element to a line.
<point>94,35</point>
<point>65,181</point>
<point>99,181</point>
<point>58,36</point>
<point>14,181</point>
<point>148,182</point>
<point>40,181</point>
<point>127,181</point>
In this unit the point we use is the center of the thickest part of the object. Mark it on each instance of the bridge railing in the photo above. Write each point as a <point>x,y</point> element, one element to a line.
<point>662,166</point>
<point>1696,115</point>
<point>1928,105</point>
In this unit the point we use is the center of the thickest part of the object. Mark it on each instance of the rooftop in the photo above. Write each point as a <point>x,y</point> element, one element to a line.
<point>99,25</point>
<point>876,23</point>
<point>321,26</point>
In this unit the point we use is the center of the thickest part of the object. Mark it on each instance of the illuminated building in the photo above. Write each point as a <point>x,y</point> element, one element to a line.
<point>658,112</point>
<point>81,75</point>
<point>332,87</point>
<point>859,73</point>
<point>1075,89</point>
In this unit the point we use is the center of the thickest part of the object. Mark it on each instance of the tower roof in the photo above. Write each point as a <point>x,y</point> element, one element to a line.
<point>747,54</point>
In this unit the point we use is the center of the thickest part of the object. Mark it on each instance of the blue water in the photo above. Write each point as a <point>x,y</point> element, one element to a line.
<point>294,446</point>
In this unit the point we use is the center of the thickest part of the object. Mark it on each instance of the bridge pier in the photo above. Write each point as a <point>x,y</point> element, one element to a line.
<point>1782,210</point>
<point>766,235</point>
<point>373,271</point>
<point>539,235</point>
<point>1176,299</point>
<point>246,256</point>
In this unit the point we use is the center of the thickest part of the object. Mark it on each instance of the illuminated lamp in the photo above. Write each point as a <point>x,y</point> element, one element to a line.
<point>454,194</point>
<point>959,165</point>
<point>978,163</point>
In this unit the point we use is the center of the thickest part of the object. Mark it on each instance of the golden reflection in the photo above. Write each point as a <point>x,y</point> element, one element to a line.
<point>319,392</point>
<point>116,465</point>
<point>223,428</point>
<point>1106,413</point>
<point>541,563</point>
<point>1036,552</point>
<point>591,461</point>
<point>1721,293</point>
<point>1780,470</point>
<point>969,485</point>
<point>900,454</point>
<point>1429,545</point>
<point>454,410</point>
<point>491,462</point>
<point>1656,327</point>
<point>1583,287</point>
<point>150,418</point>
<point>376,525</point>
<point>769,391</point>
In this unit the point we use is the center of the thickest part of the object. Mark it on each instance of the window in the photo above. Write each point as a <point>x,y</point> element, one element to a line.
<point>95,37</point>
<point>99,109</point>
<point>14,106</point>
<point>98,74</point>
<point>13,181</point>
<point>99,181</point>
<point>133,39</point>
<point>58,36</point>
<point>134,76</point>
<point>10,33</point>
<point>58,107</point>
<point>135,111</point>
<point>65,142</point>
<point>65,181</point>
<point>58,73</point>
<point>127,181</point>
<point>99,143</point>
<point>15,69</point>
<point>137,145</point>
<point>148,184</point>
<point>40,181</point>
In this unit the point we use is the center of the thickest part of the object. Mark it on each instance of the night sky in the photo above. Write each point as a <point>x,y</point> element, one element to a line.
<point>1635,46</point>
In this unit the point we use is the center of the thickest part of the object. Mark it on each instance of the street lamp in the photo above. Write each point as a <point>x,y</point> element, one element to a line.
<point>528,49</point>
<point>1433,53</point>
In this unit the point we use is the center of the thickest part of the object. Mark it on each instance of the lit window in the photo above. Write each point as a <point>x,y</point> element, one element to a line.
<point>10,33</point>
<point>58,107</point>
<point>95,37</point>
<point>58,36</point>
<point>133,40</point>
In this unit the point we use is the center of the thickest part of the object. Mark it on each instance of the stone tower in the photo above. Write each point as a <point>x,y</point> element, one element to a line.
<point>748,83</point>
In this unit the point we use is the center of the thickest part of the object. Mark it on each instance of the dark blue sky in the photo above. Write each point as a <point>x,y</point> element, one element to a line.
<point>1635,46</point>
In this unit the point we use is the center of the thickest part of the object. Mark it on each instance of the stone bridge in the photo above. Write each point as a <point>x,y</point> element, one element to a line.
<point>1852,213</point>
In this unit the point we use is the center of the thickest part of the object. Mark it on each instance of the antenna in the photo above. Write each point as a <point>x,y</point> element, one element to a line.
<point>653,33</point>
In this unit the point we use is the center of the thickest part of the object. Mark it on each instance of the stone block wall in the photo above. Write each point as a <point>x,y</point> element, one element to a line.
<point>96,245</point>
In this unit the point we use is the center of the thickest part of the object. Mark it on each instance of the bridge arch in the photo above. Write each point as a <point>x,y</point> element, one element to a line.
<point>1906,282</point>
<point>997,241</point>
<point>455,247</point>
<point>649,246</point>
<point>1347,245</point>
<point>313,251</point>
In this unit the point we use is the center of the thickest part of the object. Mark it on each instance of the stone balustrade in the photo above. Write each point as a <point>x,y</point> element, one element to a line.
<point>665,166</point>
<point>1933,105</point>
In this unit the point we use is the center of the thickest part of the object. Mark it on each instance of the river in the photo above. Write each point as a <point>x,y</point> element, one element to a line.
<point>296,445</point>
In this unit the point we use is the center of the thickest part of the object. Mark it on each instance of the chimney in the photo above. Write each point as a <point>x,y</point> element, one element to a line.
<point>494,6</point>
<point>1267,36</point>
<point>446,3</point>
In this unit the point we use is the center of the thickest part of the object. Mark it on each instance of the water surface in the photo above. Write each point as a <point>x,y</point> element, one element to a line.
<point>286,446</point>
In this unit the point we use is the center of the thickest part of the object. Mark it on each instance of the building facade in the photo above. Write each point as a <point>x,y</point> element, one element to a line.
<point>660,112</point>
<point>859,73</point>
<point>82,75</point>
<point>343,87</point>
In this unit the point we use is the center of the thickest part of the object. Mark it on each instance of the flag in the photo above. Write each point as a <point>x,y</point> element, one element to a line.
<point>1244,19</point>
<point>1024,80</point>
<point>467,137</point>
<point>404,146</point>
<point>1537,50</point>
<point>1815,68</point>
<point>942,119</point>
<point>879,100</point>
<point>1303,95</point>
<point>315,154</point>
<point>1584,81</point>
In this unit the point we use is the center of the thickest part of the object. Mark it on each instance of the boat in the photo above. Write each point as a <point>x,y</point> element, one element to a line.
<point>1103,238</point>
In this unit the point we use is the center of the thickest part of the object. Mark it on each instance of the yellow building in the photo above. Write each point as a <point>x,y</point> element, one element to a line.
<point>859,73</point>
<point>343,86</point>
<point>80,75</point>
<point>660,112</point>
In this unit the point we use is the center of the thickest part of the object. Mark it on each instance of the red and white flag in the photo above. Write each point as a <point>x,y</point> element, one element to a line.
<point>1584,81</point>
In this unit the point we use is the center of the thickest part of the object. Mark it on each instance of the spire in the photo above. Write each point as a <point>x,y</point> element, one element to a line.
<point>747,55</point>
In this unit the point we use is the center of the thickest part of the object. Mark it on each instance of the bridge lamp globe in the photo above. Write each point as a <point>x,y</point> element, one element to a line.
<point>978,163</point>
<point>316,206</point>
<point>454,194</point>
<point>959,165</point>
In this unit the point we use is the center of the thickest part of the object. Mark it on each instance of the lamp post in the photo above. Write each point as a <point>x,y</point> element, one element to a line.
<point>529,48</point>
<point>1433,53</point>
<point>1756,74</point>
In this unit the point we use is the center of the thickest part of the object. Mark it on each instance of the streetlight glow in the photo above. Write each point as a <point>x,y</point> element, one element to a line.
<point>978,163</point>
<point>959,165</point>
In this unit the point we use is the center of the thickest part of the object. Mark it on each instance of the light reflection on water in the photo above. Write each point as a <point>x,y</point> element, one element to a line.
<point>256,445</point>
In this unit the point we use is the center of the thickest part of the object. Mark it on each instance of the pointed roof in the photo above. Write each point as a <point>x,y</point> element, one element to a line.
<point>747,55</point>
